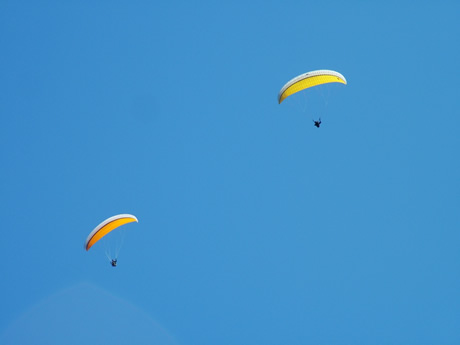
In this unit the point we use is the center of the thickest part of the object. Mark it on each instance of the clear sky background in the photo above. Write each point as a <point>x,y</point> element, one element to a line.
<point>255,227</point>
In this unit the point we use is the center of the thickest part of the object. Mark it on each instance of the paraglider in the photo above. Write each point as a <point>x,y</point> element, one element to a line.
<point>105,228</point>
<point>308,80</point>
<point>317,123</point>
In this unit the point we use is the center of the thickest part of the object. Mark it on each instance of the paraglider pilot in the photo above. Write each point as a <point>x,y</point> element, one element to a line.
<point>114,262</point>
<point>317,123</point>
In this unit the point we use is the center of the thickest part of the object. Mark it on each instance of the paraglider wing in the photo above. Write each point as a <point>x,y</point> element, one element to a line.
<point>309,79</point>
<point>106,226</point>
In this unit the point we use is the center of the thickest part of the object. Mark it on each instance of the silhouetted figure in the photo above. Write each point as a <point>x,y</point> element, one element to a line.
<point>317,123</point>
<point>114,262</point>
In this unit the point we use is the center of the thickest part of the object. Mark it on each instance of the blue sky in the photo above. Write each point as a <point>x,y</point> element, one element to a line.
<point>255,227</point>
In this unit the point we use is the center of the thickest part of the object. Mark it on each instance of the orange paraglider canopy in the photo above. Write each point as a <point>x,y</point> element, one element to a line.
<point>107,226</point>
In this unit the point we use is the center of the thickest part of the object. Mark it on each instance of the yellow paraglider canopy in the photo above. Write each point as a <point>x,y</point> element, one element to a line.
<point>106,226</point>
<point>309,79</point>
